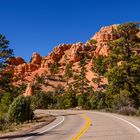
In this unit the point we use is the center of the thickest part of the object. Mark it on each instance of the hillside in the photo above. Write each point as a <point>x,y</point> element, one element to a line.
<point>63,54</point>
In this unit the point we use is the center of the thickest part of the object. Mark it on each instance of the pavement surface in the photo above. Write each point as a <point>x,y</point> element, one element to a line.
<point>86,125</point>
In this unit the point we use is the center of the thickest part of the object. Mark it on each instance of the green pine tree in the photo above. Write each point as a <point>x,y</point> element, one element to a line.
<point>5,52</point>
<point>54,68</point>
<point>124,62</point>
<point>81,83</point>
<point>99,68</point>
<point>68,72</point>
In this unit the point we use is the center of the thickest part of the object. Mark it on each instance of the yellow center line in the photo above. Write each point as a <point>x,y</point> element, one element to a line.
<point>84,129</point>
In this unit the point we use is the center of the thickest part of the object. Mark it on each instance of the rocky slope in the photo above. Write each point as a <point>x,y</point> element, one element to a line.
<point>64,53</point>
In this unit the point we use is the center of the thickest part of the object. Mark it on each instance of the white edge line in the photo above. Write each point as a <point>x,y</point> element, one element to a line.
<point>63,118</point>
<point>137,128</point>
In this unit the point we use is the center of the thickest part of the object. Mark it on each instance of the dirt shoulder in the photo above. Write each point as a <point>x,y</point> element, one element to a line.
<point>14,130</point>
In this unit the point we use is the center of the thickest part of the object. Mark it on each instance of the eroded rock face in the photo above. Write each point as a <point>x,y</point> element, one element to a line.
<point>36,59</point>
<point>29,90</point>
<point>44,62</point>
<point>106,34</point>
<point>15,61</point>
<point>64,53</point>
<point>102,37</point>
<point>76,51</point>
<point>25,69</point>
<point>58,52</point>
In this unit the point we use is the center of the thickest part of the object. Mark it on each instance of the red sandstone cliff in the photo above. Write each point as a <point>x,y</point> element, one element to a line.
<point>64,53</point>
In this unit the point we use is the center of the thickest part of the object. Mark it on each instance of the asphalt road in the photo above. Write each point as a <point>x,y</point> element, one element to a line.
<point>86,125</point>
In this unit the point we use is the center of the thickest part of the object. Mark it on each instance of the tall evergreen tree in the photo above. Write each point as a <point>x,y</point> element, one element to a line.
<point>81,82</point>
<point>5,52</point>
<point>68,72</point>
<point>124,62</point>
<point>99,68</point>
<point>54,68</point>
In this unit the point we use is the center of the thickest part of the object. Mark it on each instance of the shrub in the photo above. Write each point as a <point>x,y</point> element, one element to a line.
<point>4,122</point>
<point>59,89</point>
<point>138,112</point>
<point>81,99</point>
<point>41,100</point>
<point>40,79</point>
<point>5,102</point>
<point>86,105</point>
<point>121,100</point>
<point>98,100</point>
<point>20,110</point>
<point>93,41</point>
<point>127,110</point>
<point>69,100</point>
<point>60,104</point>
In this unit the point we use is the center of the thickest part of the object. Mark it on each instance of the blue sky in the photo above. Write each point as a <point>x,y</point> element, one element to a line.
<point>39,25</point>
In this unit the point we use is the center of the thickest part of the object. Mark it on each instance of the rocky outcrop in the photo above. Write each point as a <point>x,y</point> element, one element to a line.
<point>77,50</point>
<point>15,61</point>
<point>102,37</point>
<point>58,52</point>
<point>25,69</point>
<point>105,34</point>
<point>36,59</point>
<point>44,62</point>
<point>64,53</point>
<point>29,90</point>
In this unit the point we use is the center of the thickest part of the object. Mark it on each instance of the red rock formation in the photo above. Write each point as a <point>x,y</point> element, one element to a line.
<point>15,61</point>
<point>102,37</point>
<point>27,68</point>
<point>58,52</point>
<point>29,90</point>
<point>105,34</point>
<point>44,62</point>
<point>36,59</point>
<point>76,51</point>
<point>65,53</point>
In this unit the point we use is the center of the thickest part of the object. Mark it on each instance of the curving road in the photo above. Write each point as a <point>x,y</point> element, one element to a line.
<point>86,125</point>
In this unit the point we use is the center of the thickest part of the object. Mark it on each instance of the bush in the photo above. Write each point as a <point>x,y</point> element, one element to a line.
<point>59,89</point>
<point>6,100</point>
<point>86,105</point>
<point>60,104</point>
<point>138,112</point>
<point>93,41</point>
<point>121,100</point>
<point>42,100</point>
<point>20,110</point>
<point>81,100</point>
<point>4,122</point>
<point>69,100</point>
<point>98,100</point>
<point>127,110</point>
